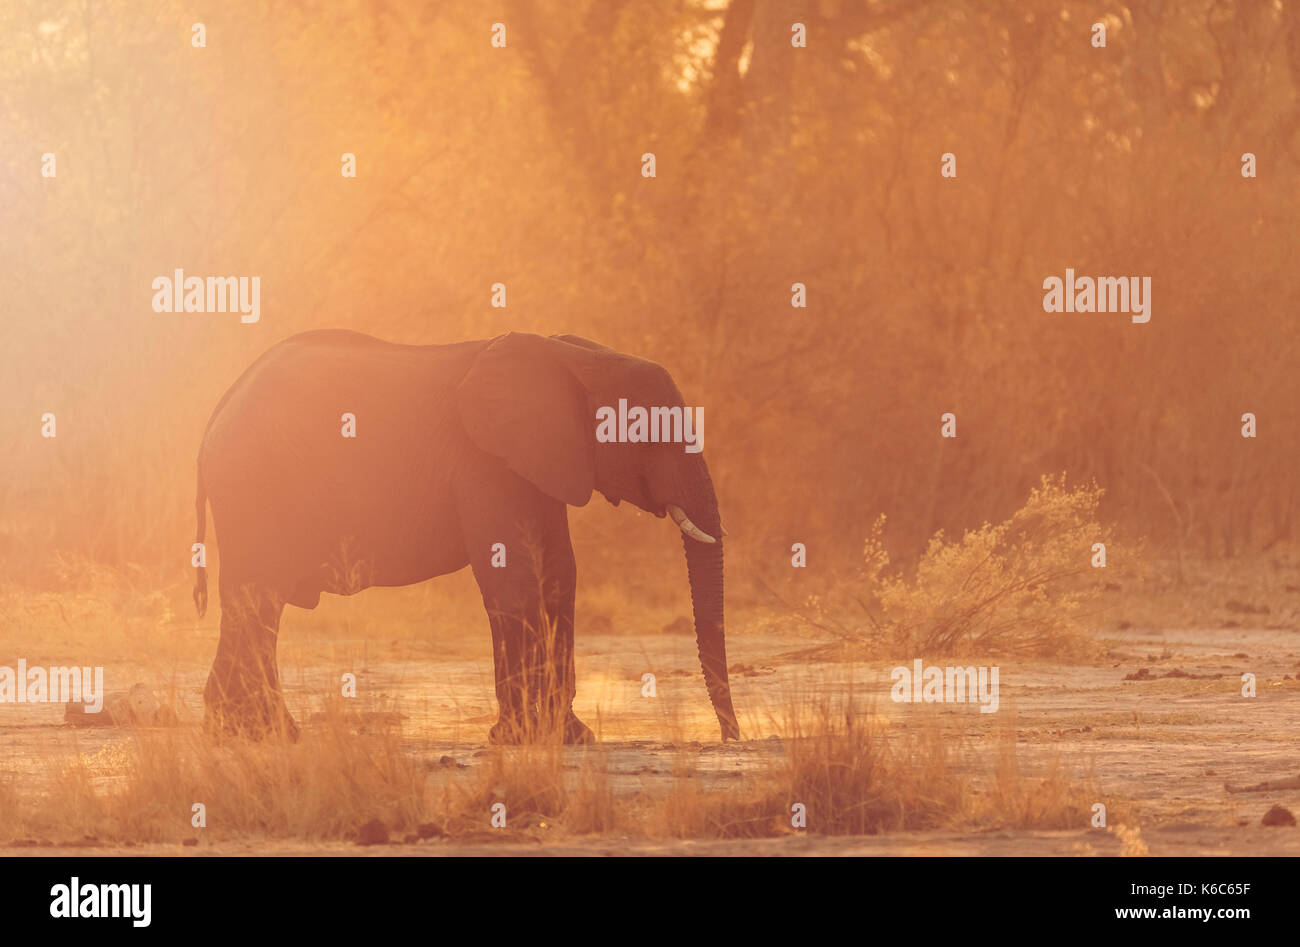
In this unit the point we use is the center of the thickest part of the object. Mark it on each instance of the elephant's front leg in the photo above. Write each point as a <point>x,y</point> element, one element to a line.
<point>556,682</point>
<point>518,544</point>
<point>515,722</point>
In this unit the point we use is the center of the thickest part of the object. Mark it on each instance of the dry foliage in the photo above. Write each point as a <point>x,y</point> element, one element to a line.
<point>1024,585</point>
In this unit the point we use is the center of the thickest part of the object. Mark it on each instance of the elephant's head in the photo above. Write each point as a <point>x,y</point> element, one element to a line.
<point>533,402</point>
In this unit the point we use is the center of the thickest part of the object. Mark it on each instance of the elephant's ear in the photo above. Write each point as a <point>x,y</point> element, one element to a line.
<point>607,376</point>
<point>520,404</point>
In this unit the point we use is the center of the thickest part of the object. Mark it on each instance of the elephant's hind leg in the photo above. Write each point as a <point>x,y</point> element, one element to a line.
<point>243,696</point>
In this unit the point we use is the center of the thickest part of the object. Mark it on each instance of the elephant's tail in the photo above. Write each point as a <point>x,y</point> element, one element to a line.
<point>201,571</point>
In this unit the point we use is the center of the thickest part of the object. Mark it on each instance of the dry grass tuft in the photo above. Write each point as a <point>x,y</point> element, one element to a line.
<point>143,789</point>
<point>855,777</point>
<point>544,792</point>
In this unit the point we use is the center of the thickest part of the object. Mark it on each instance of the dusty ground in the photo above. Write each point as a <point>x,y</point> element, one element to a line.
<point>1164,747</point>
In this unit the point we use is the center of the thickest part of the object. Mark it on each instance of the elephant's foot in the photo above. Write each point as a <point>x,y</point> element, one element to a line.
<point>512,730</point>
<point>575,731</point>
<point>261,716</point>
<point>242,723</point>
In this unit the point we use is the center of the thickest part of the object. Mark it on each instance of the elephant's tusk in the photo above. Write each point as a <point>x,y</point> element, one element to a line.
<point>686,526</point>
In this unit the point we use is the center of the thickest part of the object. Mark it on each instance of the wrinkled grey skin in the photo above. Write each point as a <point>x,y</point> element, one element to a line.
<point>457,448</point>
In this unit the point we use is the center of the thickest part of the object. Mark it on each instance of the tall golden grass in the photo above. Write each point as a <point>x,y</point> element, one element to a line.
<point>849,771</point>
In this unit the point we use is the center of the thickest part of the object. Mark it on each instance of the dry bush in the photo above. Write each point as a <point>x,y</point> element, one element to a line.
<point>1052,800</point>
<point>142,789</point>
<point>542,792</point>
<point>849,778</point>
<point>1021,586</point>
<point>325,787</point>
<point>855,777</point>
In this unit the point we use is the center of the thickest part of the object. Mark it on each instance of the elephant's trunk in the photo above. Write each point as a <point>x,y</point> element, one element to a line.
<point>704,567</point>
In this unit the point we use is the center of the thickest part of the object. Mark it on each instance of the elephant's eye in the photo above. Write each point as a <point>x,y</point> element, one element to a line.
<point>649,501</point>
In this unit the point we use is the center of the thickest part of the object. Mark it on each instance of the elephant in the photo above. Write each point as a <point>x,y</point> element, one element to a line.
<point>462,454</point>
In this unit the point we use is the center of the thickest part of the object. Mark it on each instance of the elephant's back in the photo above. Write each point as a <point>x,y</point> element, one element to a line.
<point>303,374</point>
<point>334,433</point>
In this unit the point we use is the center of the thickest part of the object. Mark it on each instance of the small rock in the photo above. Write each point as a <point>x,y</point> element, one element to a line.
<point>373,832</point>
<point>429,830</point>
<point>446,761</point>
<point>1278,816</point>
<point>190,842</point>
<point>138,707</point>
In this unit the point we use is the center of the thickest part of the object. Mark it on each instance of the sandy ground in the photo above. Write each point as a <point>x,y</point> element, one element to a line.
<point>1165,747</point>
